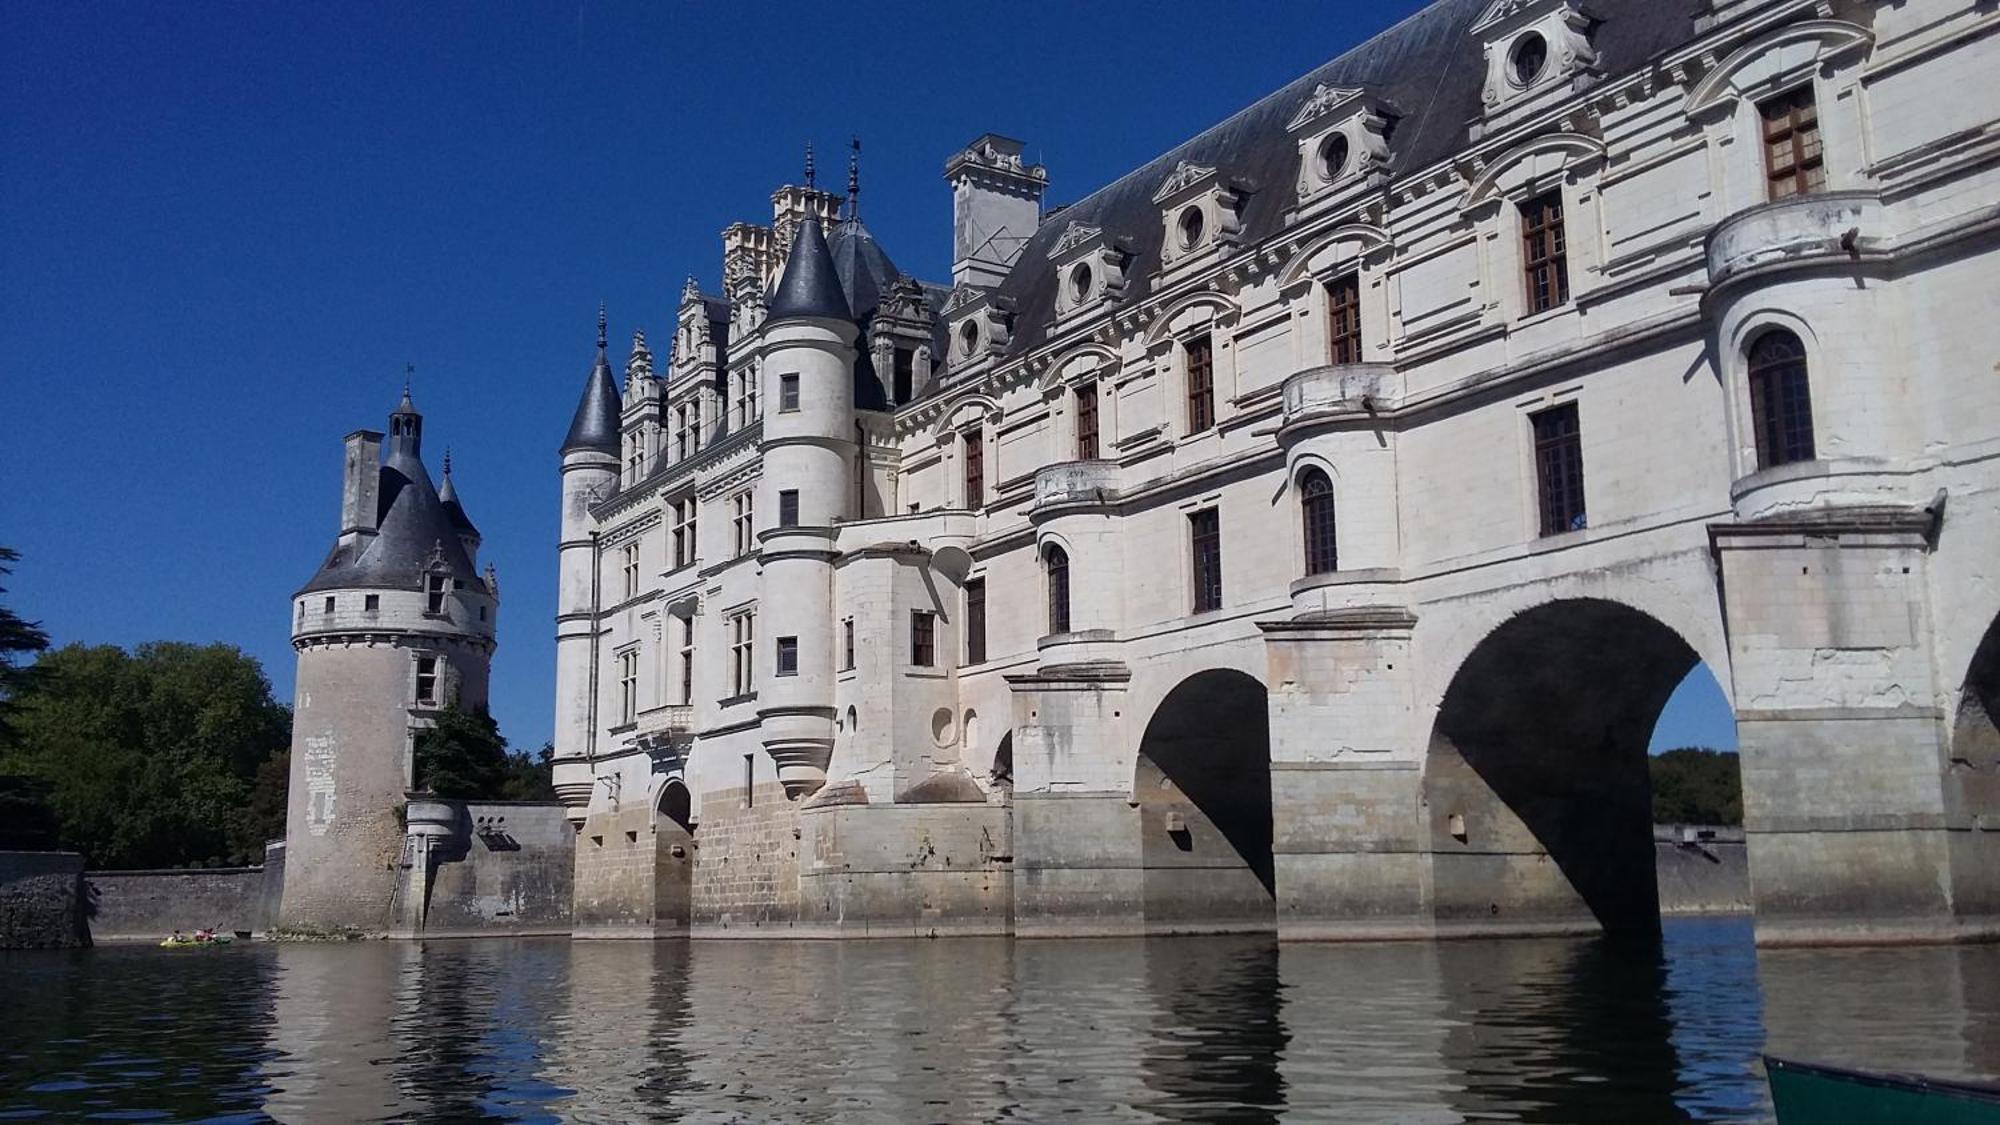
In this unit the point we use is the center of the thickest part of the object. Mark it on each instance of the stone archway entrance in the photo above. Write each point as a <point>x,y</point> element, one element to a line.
<point>1536,783</point>
<point>1203,788</point>
<point>673,860</point>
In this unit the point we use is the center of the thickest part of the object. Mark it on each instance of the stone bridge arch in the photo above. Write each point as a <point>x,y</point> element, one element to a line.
<point>1202,788</point>
<point>1535,797</point>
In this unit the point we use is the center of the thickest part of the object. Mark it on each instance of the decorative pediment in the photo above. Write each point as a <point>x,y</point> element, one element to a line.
<point>1501,11</point>
<point>1073,236</point>
<point>690,291</point>
<point>963,297</point>
<point>1185,175</point>
<point>1322,101</point>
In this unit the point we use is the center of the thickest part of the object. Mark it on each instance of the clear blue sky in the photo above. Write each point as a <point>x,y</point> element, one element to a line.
<point>225,228</point>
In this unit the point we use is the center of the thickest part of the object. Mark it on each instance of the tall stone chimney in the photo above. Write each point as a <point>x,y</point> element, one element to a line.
<point>361,482</point>
<point>996,203</point>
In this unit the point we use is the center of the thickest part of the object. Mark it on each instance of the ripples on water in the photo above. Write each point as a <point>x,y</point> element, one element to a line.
<point>1184,1029</point>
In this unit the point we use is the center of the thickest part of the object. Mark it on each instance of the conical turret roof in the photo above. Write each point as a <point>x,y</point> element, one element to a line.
<point>810,286</point>
<point>595,426</point>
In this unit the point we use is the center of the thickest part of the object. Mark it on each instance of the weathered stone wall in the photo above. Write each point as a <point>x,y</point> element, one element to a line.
<point>906,870</point>
<point>41,901</point>
<point>1702,876</point>
<point>615,866</point>
<point>149,905</point>
<point>507,871</point>
<point>746,878</point>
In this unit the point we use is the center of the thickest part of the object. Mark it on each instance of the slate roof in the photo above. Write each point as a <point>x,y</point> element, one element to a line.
<point>862,266</point>
<point>810,286</point>
<point>448,496</point>
<point>412,522</point>
<point>595,425</point>
<point>1428,67</point>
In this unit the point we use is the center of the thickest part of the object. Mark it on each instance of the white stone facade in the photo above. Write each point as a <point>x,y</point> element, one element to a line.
<point>1841,598</point>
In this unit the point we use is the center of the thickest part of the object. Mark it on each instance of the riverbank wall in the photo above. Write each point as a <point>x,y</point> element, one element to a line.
<point>42,901</point>
<point>148,905</point>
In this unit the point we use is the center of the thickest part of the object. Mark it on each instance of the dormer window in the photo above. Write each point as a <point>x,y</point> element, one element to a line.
<point>1342,133</point>
<point>1089,267</point>
<point>1537,51</point>
<point>979,322</point>
<point>1201,210</point>
<point>1528,58</point>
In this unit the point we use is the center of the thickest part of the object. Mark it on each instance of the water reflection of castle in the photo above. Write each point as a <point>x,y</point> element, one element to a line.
<point>1195,1029</point>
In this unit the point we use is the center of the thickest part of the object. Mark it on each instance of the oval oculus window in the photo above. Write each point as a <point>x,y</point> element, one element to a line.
<point>1191,225</point>
<point>1333,157</point>
<point>1529,56</point>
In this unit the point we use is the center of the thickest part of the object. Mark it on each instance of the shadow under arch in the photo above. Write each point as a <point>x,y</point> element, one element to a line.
<point>1536,780</point>
<point>1203,789</point>
<point>673,859</point>
<point>1972,782</point>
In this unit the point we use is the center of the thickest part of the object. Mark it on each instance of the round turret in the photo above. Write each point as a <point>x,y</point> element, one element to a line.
<point>396,625</point>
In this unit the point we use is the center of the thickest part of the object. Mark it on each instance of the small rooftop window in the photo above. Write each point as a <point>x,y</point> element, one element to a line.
<point>1191,225</point>
<point>1529,56</point>
<point>1333,156</point>
<point>1079,282</point>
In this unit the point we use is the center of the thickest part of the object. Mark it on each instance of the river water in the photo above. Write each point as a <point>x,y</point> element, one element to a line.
<point>1178,1029</point>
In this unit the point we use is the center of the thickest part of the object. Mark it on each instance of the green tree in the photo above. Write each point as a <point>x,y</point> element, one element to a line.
<point>18,639</point>
<point>531,777</point>
<point>27,822</point>
<point>1697,786</point>
<point>262,818</point>
<point>149,756</point>
<point>462,756</point>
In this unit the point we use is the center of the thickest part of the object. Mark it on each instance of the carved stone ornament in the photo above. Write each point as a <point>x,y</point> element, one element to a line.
<point>961,297</point>
<point>1185,175</point>
<point>1073,236</point>
<point>1323,100</point>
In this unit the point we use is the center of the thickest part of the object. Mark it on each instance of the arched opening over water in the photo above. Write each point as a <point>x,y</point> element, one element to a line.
<point>1972,789</point>
<point>673,858</point>
<point>1536,784</point>
<point>1203,787</point>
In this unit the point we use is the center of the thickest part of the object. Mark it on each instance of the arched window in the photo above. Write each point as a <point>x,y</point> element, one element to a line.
<point>1316,508</point>
<point>1780,399</point>
<point>1056,560</point>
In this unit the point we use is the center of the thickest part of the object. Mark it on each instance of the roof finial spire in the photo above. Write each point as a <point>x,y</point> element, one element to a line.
<point>809,166</point>
<point>447,460</point>
<point>854,179</point>
<point>600,326</point>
